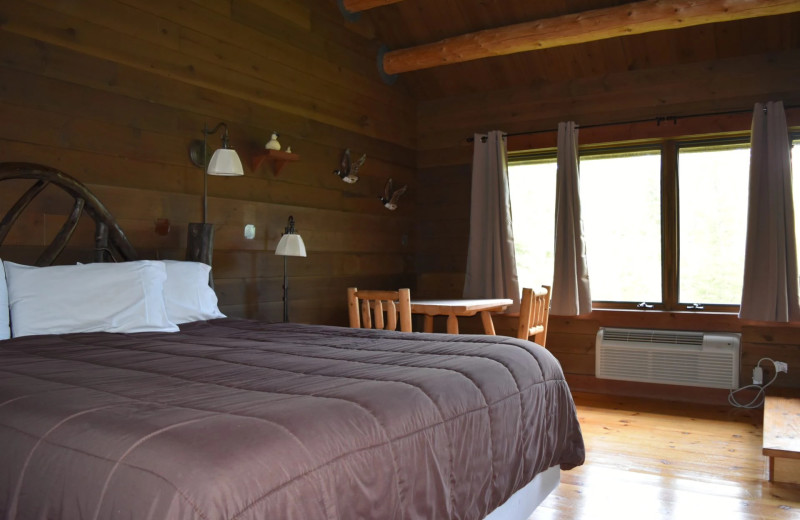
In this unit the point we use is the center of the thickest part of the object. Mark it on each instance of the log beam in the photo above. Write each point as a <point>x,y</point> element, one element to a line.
<point>355,6</point>
<point>636,18</point>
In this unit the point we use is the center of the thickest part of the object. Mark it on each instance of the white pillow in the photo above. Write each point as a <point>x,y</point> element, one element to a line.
<point>187,294</point>
<point>5,329</point>
<point>124,297</point>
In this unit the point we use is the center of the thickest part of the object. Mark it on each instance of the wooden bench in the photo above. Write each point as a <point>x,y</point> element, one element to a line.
<point>782,438</point>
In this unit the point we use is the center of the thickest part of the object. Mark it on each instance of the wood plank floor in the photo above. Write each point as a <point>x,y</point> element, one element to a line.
<point>660,460</point>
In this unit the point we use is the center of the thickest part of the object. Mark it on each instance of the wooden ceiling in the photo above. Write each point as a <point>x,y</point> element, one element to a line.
<point>409,23</point>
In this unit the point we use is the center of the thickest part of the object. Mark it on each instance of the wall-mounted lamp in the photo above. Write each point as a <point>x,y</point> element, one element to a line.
<point>291,244</point>
<point>225,162</point>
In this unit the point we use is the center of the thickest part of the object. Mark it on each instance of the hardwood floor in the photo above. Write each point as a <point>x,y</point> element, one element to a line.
<point>659,460</point>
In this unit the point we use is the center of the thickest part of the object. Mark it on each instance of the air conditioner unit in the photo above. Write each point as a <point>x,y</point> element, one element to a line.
<point>706,359</point>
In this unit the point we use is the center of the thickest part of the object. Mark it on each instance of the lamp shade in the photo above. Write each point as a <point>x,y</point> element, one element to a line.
<point>291,244</point>
<point>225,162</point>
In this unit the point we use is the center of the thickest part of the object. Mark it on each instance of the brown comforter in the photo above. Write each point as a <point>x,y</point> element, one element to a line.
<point>240,419</point>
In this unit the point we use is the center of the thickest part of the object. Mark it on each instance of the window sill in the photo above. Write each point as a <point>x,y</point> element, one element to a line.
<point>663,319</point>
<point>673,320</point>
<point>677,312</point>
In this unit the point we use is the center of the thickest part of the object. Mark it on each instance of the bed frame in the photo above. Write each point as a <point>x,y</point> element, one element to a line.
<point>111,244</point>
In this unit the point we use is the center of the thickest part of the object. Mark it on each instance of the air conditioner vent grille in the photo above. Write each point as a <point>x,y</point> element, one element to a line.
<point>654,336</point>
<point>668,357</point>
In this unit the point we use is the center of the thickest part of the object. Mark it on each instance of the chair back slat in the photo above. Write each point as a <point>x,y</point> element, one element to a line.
<point>352,308</point>
<point>379,308</point>
<point>377,313</point>
<point>366,315</point>
<point>391,315</point>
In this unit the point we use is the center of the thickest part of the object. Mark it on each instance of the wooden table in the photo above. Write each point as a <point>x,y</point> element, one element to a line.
<point>454,308</point>
<point>782,438</point>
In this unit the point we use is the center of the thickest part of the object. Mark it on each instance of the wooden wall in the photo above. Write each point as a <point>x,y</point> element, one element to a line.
<point>698,88</point>
<point>112,92</point>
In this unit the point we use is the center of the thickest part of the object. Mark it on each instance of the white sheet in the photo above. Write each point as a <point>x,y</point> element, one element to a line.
<point>521,504</point>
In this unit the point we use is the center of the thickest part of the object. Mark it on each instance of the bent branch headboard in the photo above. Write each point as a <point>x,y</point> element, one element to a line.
<point>110,241</point>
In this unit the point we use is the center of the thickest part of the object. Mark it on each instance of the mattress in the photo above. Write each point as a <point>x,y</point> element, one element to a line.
<point>240,419</point>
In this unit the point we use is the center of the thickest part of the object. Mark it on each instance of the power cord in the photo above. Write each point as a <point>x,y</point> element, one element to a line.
<point>758,400</point>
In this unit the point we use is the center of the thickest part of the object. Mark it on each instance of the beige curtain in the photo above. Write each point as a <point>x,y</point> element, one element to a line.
<point>571,295</point>
<point>491,263</point>
<point>770,288</point>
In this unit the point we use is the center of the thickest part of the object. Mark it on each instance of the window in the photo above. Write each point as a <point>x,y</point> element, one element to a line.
<point>621,205</point>
<point>712,221</point>
<point>621,211</point>
<point>532,182</point>
<point>666,226</point>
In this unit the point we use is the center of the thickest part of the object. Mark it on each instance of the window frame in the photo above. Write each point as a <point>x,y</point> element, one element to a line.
<point>670,230</point>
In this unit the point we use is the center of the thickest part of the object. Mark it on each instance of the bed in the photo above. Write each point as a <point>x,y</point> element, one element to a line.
<point>236,419</point>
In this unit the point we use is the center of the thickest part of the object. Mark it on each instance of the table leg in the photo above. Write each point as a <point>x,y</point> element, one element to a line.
<point>771,464</point>
<point>428,325</point>
<point>488,325</point>
<point>452,324</point>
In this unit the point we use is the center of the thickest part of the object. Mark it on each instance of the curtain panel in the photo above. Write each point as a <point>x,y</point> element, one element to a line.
<point>571,293</point>
<point>770,287</point>
<point>491,262</point>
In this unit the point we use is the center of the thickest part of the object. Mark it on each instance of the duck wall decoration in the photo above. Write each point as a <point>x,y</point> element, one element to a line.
<point>391,196</point>
<point>347,170</point>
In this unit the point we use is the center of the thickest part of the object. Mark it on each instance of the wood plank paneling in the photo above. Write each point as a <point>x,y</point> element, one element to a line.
<point>112,93</point>
<point>36,57</point>
<point>730,84</point>
<point>215,68</point>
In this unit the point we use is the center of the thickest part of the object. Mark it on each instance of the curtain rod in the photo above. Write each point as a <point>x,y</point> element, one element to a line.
<point>658,121</point>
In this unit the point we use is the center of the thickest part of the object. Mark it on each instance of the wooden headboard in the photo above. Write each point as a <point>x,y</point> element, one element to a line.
<point>111,244</point>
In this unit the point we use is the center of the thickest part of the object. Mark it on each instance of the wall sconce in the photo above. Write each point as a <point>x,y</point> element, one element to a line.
<point>291,244</point>
<point>224,162</point>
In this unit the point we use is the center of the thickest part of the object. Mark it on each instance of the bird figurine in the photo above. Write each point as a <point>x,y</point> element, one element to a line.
<point>273,143</point>
<point>390,196</point>
<point>347,170</point>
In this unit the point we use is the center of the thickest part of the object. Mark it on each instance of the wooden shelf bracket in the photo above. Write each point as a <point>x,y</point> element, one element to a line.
<point>277,159</point>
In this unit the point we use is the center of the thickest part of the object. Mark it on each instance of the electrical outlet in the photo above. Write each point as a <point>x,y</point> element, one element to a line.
<point>780,366</point>
<point>758,376</point>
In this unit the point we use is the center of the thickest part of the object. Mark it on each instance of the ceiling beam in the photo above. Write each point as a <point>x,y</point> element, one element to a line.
<point>355,6</point>
<point>598,24</point>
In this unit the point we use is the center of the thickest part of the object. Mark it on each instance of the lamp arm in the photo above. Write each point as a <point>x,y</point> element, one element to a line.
<point>214,130</point>
<point>205,176</point>
<point>289,230</point>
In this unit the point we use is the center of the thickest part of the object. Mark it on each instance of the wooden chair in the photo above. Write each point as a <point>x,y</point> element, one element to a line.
<point>534,312</point>
<point>374,304</point>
